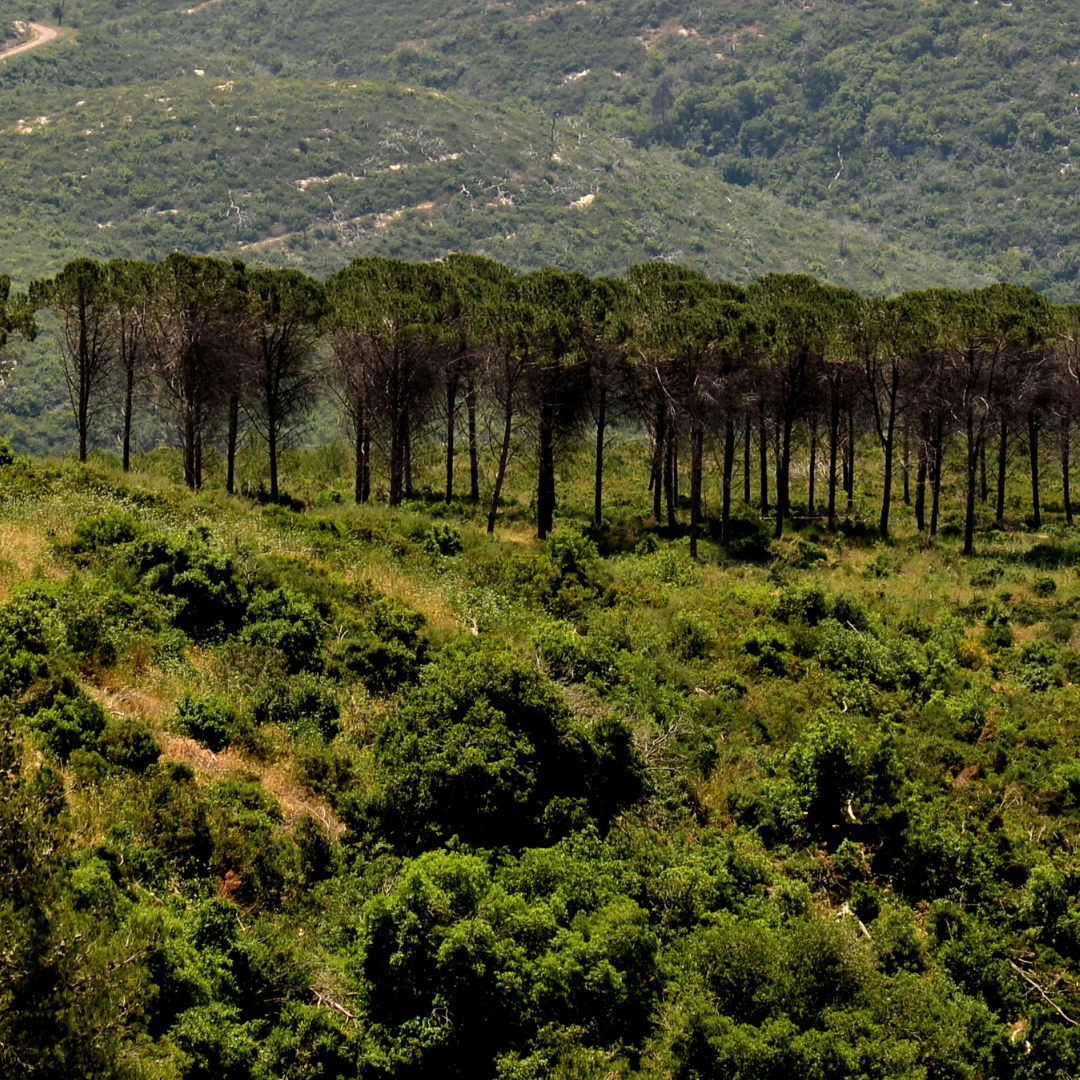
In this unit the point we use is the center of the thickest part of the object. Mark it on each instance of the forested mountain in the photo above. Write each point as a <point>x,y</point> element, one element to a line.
<point>940,129</point>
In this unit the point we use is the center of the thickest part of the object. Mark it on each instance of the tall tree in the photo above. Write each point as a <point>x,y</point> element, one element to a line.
<point>195,335</point>
<point>129,289</point>
<point>286,309</point>
<point>80,298</point>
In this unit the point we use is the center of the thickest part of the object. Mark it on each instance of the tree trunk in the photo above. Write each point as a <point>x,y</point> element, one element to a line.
<point>230,451</point>
<point>783,476</point>
<point>935,506</point>
<point>851,459</point>
<point>920,487</point>
<point>763,458</point>
<point>656,482</point>
<point>129,394</point>
<point>598,483</point>
<point>545,481</point>
<point>272,447</point>
<point>973,447</point>
<point>984,487</point>
<point>504,458</point>
<point>189,451</point>
<point>474,451</point>
<point>811,509</point>
<point>362,486</point>
<point>669,477</point>
<point>746,462</point>
<point>696,439</point>
<point>907,465</point>
<point>886,483</point>
<point>729,469</point>
<point>1003,458</point>
<point>451,408</point>
<point>406,458</point>
<point>834,440</point>
<point>1033,457</point>
<point>1066,425</point>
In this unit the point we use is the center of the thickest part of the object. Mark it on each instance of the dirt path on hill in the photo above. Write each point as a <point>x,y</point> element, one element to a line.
<point>42,34</point>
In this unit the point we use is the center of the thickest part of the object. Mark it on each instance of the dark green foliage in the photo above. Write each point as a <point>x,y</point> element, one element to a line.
<point>210,719</point>
<point>128,744</point>
<point>443,539</point>
<point>304,703</point>
<point>1039,667</point>
<point>106,530</point>
<point>485,750</point>
<point>70,722</point>
<point>282,619</point>
<point>1044,586</point>
<point>385,649</point>
<point>201,585</point>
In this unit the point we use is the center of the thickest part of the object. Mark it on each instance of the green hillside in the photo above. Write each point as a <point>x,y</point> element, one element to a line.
<point>945,131</point>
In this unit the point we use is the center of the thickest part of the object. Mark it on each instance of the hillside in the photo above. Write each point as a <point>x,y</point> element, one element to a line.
<point>355,792</point>
<point>940,131</point>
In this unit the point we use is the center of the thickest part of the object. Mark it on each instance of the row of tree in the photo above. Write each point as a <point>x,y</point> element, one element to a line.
<point>418,351</point>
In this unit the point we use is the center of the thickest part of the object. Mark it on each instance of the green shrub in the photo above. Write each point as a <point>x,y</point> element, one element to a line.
<point>282,619</point>
<point>986,575</point>
<point>385,650</point>
<point>1044,586</point>
<point>209,719</point>
<point>110,529</point>
<point>304,703</point>
<point>998,633</point>
<point>804,603</point>
<point>692,638</point>
<point>749,536</point>
<point>72,721</point>
<point>485,749</point>
<point>1039,666</point>
<point>443,539</point>
<point>129,744</point>
<point>766,649</point>
<point>203,586</point>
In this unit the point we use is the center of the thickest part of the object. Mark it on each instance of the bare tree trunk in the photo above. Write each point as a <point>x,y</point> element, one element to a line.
<point>362,486</point>
<point>746,461</point>
<point>984,487</point>
<point>696,439</point>
<point>763,458</point>
<point>406,458</point>
<point>129,394</point>
<point>1066,425</point>
<point>669,477</point>
<point>834,440</point>
<point>451,409</point>
<point>230,451</point>
<point>474,451</point>
<point>973,448</point>
<point>598,482</point>
<point>851,459</point>
<point>920,487</point>
<point>1003,458</point>
<point>729,468</point>
<point>907,465</point>
<point>783,475</point>
<point>1033,457</point>
<point>545,482</point>
<point>811,509</point>
<point>656,482</point>
<point>935,506</point>
<point>504,458</point>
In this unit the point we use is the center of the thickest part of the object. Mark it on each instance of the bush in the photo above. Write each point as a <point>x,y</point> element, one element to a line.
<point>485,749</point>
<point>210,719</point>
<point>443,539</point>
<point>385,650</point>
<point>107,530</point>
<point>73,721</point>
<point>1044,586</point>
<point>803,603</point>
<point>692,638</point>
<point>203,585</point>
<point>282,619</point>
<point>749,536</point>
<point>1039,667</point>
<point>305,703</point>
<point>766,651</point>
<point>129,744</point>
<point>998,633</point>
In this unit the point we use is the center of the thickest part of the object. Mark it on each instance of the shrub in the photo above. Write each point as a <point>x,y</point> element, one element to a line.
<point>1044,586</point>
<point>72,721</point>
<point>485,749</point>
<point>766,651</point>
<point>203,585</point>
<point>282,619</point>
<point>804,603</point>
<point>692,638</point>
<point>986,576</point>
<point>107,530</point>
<point>386,649</point>
<point>209,719</point>
<point>443,539</point>
<point>748,535</point>
<point>129,744</point>
<point>998,633</point>
<point>305,703</point>
<point>1039,667</point>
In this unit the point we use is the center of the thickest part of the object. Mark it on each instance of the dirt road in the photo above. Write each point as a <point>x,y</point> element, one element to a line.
<point>42,34</point>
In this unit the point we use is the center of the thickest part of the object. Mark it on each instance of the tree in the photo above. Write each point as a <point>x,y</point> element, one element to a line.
<point>286,309</point>
<point>195,337</point>
<point>16,316</point>
<point>386,327</point>
<point>80,298</point>
<point>129,287</point>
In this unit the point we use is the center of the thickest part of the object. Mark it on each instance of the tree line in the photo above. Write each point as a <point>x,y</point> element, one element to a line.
<point>465,347</point>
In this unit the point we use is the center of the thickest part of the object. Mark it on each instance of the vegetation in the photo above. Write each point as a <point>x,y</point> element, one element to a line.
<point>321,787</point>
